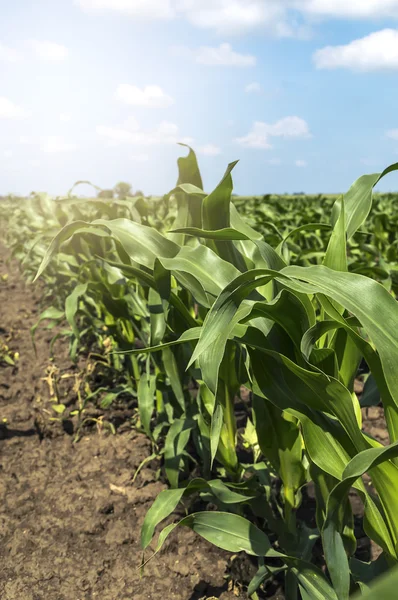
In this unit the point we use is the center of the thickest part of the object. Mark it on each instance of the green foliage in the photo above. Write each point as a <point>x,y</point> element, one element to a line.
<point>196,298</point>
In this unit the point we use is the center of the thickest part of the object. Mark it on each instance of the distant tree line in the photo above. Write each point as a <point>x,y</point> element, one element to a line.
<point>120,190</point>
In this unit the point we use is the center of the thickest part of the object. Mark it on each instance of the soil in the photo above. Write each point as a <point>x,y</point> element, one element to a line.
<point>70,513</point>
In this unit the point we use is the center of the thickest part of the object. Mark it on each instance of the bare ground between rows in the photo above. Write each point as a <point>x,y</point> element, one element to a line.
<point>70,515</point>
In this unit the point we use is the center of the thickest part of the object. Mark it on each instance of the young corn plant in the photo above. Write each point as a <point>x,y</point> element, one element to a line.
<point>170,309</point>
<point>294,336</point>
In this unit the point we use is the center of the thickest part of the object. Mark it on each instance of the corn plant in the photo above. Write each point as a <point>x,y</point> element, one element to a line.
<point>294,336</point>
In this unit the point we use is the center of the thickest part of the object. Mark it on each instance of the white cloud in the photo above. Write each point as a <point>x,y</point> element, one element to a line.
<point>258,137</point>
<point>260,133</point>
<point>301,163</point>
<point>376,51</point>
<point>131,133</point>
<point>253,88</point>
<point>222,16</point>
<point>9,110</point>
<point>48,50</point>
<point>151,95</point>
<point>392,134</point>
<point>146,9</point>
<point>238,16</point>
<point>223,56</point>
<point>209,150</point>
<point>274,162</point>
<point>8,54</point>
<point>65,117</point>
<point>7,154</point>
<point>132,124</point>
<point>354,9</point>
<point>280,18</point>
<point>55,144</point>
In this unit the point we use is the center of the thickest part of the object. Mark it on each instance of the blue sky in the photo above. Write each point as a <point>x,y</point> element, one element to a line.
<point>303,92</point>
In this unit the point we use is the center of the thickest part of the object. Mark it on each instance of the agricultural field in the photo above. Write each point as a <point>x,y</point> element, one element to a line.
<point>199,393</point>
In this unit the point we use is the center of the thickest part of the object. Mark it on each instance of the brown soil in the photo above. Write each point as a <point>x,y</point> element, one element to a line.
<point>70,513</point>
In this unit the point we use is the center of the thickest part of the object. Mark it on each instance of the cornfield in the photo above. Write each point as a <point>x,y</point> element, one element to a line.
<point>239,327</point>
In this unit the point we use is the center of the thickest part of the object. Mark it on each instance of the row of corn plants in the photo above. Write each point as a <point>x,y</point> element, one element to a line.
<point>226,308</point>
<point>90,306</point>
<point>372,250</point>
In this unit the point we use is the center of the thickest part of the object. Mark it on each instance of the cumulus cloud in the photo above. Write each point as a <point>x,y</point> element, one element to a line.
<point>9,110</point>
<point>151,96</point>
<point>377,51</point>
<point>238,16</point>
<point>392,134</point>
<point>260,133</point>
<point>227,17</point>
<point>49,51</point>
<point>354,9</point>
<point>131,133</point>
<point>209,150</point>
<point>222,16</point>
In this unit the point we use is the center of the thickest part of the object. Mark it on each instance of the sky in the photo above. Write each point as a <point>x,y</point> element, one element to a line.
<point>302,92</point>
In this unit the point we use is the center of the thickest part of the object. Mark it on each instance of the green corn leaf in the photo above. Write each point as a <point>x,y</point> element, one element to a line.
<point>229,532</point>
<point>141,243</point>
<point>189,195</point>
<point>336,253</point>
<point>50,313</point>
<point>332,541</point>
<point>175,444</point>
<point>228,233</point>
<point>370,395</point>
<point>239,224</point>
<point>384,587</point>
<point>305,227</point>
<point>146,397</point>
<point>157,317</point>
<point>167,501</point>
<point>72,306</point>
<point>217,421</point>
<point>172,372</point>
<point>190,335</point>
<point>202,263</point>
<point>61,237</point>
<point>365,299</point>
<point>358,200</point>
<point>226,305</point>
<point>236,534</point>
